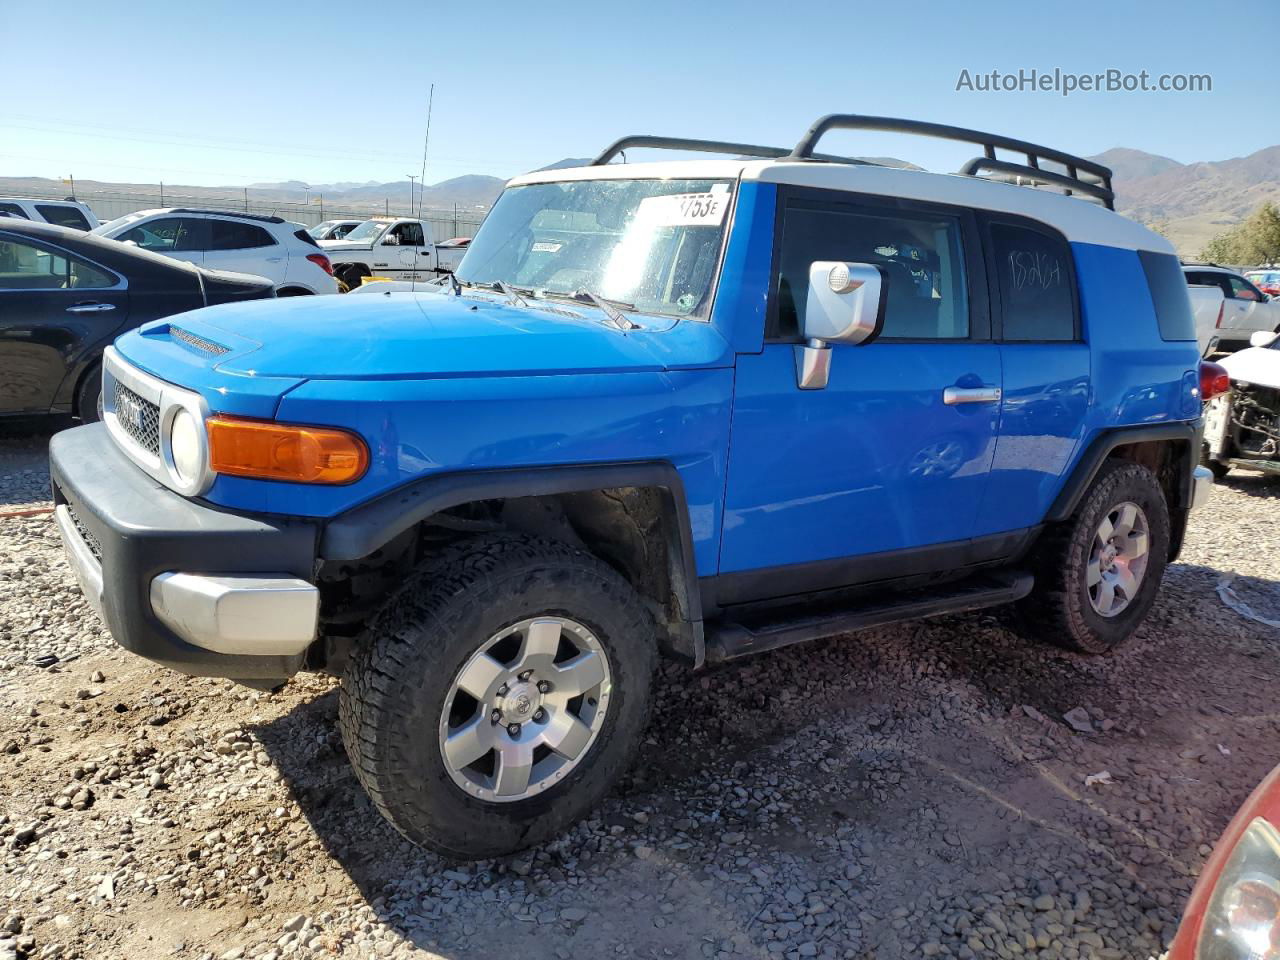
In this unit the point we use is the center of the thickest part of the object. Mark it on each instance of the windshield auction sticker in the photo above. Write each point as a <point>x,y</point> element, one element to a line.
<point>684,210</point>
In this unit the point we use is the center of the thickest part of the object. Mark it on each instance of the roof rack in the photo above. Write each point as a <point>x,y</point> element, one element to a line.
<point>1201,263</point>
<point>707,146</point>
<point>1082,176</point>
<point>1072,181</point>
<point>230,213</point>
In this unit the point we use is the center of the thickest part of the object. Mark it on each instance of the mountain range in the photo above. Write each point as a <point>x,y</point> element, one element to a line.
<point>1189,202</point>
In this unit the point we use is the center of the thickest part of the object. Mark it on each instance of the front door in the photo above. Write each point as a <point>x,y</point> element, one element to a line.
<point>53,307</point>
<point>892,458</point>
<point>406,253</point>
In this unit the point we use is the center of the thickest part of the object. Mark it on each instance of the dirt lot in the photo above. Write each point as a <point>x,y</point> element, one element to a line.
<point>913,791</point>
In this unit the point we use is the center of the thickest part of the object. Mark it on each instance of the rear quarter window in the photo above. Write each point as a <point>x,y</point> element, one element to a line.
<point>1036,284</point>
<point>63,216</point>
<point>1168,286</point>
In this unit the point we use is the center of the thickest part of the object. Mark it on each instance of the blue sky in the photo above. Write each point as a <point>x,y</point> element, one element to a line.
<point>232,92</point>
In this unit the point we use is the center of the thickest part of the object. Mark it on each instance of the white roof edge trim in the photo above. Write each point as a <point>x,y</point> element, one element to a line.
<point>1079,220</point>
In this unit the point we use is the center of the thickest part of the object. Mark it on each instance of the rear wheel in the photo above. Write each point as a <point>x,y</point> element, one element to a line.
<point>89,395</point>
<point>1097,574</point>
<point>500,694</point>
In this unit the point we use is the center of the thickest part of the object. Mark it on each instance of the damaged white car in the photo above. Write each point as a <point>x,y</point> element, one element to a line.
<point>1242,425</point>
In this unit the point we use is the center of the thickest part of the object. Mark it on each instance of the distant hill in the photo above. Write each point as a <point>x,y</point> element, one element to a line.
<point>1189,202</point>
<point>1192,202</point>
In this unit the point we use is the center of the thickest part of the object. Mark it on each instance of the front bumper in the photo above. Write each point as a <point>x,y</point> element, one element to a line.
<point>200,590</point>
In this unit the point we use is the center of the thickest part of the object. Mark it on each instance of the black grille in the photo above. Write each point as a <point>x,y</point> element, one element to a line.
<point>199,343</point>
<point>139,418</point>
<point>90,540</point>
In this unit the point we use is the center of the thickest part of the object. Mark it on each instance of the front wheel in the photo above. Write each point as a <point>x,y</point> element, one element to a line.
<point>1097,573</point>
<point>499,694</point>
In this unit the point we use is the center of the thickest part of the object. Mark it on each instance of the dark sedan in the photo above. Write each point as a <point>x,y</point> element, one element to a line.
<point>65,295</point>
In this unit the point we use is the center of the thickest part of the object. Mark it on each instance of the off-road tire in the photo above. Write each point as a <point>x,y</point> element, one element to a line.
<point>397,681</point>
<point>1058,608</point>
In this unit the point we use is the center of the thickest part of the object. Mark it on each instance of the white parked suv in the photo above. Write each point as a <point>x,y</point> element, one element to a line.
<point>62,213</point>
<point>270,247</point>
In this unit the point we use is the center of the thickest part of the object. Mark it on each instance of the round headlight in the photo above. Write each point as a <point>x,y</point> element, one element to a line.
<point>185,446</point>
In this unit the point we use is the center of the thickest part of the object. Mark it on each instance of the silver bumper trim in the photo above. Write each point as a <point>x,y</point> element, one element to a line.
<point>265,614</point>
<point>1201,487</point>
<point>84,564</point>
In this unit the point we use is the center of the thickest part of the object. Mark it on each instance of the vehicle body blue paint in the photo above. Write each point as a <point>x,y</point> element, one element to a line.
<point>773,475</point>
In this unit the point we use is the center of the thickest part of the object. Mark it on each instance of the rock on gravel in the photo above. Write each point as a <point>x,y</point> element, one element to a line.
<point>907,792</point>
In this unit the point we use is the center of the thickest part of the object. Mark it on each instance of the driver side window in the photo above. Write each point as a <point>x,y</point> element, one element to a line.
<point>1242,290</point>
<point>919,253</point>
<point>24,266</point>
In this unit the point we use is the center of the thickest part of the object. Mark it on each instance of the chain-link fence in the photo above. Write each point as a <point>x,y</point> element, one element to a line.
<point>109,204</point>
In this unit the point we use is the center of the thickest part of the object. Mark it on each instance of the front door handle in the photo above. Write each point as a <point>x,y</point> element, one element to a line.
<point>91,307</point>
<point>955,395</point>
<point>274,259</point>
<point>426,253</point>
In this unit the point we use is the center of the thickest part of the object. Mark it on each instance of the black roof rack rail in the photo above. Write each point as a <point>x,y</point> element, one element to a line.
<point>232,213</point>
<point>1202,263</point>
<point>705,146</point>
<point>1073,180</point>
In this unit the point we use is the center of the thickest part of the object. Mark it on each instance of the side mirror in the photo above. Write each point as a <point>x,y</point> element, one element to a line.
<point>845,305</point>
<point>391,241</point>
<point>1262,338</point>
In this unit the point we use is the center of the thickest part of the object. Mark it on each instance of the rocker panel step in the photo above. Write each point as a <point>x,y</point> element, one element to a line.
<point>728,641</point>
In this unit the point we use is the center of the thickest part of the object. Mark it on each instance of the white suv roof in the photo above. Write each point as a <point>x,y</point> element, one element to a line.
<point>62,213</point>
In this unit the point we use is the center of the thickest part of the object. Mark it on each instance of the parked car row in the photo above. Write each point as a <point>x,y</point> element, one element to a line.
<point>272,247</point>
<point>65,294</point>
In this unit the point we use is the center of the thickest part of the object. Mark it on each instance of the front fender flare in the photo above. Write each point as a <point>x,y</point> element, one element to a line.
<point>363,529</point>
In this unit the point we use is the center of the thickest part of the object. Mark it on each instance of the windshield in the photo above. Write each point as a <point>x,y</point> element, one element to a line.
<point>320,228</point>
<point>654,244</point>
<point>104,229</point>
<point>368,231</point>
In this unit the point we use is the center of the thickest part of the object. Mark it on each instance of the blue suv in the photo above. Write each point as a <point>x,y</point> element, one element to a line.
<point>694,409</point>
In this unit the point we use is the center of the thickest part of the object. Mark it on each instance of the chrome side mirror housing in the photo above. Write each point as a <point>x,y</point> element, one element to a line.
<point>845,304</point>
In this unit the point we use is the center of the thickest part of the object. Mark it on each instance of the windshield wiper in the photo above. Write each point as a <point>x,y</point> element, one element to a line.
<point>610,308</point>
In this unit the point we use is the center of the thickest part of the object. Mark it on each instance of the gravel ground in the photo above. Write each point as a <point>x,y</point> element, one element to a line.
<point>913,791</point>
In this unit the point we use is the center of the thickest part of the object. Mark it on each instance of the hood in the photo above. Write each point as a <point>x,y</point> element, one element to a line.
<point>430,335</point>
<point>337,246</point>
<point>1260,365</point>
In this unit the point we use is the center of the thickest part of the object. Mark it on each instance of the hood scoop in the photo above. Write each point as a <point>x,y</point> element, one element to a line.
<point>199,344</point>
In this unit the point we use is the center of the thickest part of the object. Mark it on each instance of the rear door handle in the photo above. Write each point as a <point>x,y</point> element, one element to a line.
<point>955,395</point>
<point>91,307</point>
<point>274,259</point>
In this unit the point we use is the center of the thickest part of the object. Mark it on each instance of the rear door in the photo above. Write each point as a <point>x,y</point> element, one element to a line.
<point>883,471</point>
<point>245,248</point>
<point>1046,370</point>
<point>53,308</point>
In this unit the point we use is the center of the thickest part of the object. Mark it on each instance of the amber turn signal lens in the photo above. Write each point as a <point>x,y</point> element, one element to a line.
<point>278,451</point>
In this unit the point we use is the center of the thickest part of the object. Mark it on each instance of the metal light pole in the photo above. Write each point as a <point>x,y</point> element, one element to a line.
<point>412,177</point>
